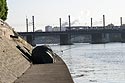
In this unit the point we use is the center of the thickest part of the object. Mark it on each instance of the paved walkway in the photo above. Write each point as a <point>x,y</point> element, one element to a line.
<point>47,73</point>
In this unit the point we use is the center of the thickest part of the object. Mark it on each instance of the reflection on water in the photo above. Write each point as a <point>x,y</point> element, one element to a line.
<point>94,63</point>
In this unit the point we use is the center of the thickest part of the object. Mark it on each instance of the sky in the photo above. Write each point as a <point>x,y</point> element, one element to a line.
<point>48,12</point>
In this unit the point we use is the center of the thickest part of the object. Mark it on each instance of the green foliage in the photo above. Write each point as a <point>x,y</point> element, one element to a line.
<point>3,10</point>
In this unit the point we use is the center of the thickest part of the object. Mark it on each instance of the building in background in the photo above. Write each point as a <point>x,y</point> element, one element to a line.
<point>56,29</point>
<point>48,28</point>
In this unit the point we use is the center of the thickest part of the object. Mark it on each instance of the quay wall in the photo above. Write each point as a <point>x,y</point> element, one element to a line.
<point>12,62</point>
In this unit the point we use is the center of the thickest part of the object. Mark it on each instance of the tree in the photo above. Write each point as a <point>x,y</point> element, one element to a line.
<point>3,10</point>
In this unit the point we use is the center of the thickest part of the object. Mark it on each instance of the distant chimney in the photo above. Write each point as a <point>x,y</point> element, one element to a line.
<point>60,22</point>
<point>91,23</point>
<point>33,23</point>
<point>121,21</point>
<point>69,22</point>
<point>26,24</point>
<point>104,21</point>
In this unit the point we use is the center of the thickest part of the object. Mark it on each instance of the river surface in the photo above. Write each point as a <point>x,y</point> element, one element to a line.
<point>94,63</point>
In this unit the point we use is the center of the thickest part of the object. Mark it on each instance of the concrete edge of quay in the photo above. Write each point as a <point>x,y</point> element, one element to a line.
<point>56,72</point>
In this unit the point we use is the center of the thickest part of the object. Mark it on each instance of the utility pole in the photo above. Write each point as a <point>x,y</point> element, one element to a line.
<point>60,21</point>
<point>33,24</point>
<point>26,24</point>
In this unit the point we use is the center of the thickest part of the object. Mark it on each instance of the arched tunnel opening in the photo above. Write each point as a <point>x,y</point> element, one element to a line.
<point>40,54</point>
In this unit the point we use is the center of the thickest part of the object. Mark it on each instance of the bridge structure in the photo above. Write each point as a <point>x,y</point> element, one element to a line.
<point>88,35</point>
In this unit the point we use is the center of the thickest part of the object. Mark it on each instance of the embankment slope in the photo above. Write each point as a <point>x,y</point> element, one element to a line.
<point>12,63</point>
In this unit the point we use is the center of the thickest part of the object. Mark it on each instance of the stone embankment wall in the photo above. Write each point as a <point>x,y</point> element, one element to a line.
<point>12,62</point>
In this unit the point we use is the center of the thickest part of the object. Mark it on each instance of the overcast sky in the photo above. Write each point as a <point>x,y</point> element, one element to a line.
<point>48,12</point>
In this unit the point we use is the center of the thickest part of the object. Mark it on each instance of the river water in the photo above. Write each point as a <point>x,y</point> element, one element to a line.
<point>94,63</point>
